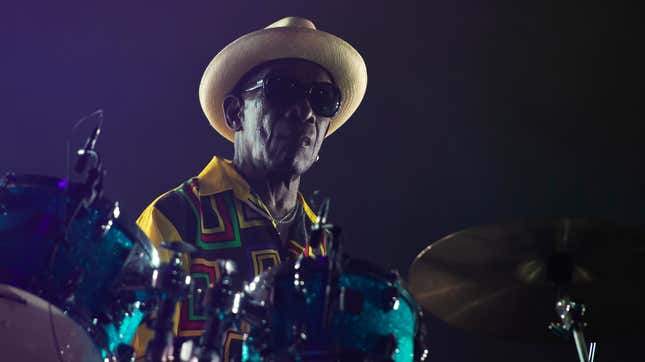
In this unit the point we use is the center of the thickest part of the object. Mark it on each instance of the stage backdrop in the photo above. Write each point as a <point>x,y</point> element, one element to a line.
<point>475,113</point>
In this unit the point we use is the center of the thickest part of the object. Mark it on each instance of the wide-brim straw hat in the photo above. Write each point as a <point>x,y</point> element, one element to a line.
<point>291,37</point>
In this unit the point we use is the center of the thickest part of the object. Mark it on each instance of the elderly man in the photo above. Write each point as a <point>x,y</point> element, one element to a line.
<point>276,93</point>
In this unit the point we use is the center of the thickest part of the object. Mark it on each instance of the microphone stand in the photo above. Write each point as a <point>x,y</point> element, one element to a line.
<point>90,190</point>
<point>319,232</point>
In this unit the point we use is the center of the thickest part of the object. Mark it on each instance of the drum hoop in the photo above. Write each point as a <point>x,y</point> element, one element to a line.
<point>363,267</point>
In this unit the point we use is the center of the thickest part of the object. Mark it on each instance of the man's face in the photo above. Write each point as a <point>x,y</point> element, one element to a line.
<point>275,137</point>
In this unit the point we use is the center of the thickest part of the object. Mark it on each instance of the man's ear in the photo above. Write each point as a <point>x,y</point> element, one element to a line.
<point>232,106</point>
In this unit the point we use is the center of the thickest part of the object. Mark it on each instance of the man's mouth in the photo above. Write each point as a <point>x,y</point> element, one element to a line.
<point>302,141</point>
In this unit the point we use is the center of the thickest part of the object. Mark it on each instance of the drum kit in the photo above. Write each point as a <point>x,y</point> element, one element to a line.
<point>77,279</point>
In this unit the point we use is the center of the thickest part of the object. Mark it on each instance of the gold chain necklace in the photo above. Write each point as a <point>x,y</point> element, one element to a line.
<point>288,217</point>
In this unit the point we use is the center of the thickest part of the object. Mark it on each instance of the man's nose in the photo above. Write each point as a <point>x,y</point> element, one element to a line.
<point>300,111</point>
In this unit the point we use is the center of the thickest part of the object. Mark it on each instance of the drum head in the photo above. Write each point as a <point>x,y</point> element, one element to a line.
<point>31,329</point>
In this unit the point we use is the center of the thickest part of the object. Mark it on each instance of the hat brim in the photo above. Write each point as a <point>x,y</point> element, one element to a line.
<point>337,56</point>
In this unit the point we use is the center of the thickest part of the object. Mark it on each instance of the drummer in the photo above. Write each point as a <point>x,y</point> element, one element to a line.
<point>276,93</point>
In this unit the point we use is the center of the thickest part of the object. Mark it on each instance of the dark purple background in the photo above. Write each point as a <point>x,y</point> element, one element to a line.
<point>476,112</point>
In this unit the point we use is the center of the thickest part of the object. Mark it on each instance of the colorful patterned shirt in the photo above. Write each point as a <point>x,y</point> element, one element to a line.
<point>219,214</point>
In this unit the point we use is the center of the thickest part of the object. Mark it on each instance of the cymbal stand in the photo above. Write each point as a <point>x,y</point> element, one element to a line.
<point>571,321</point>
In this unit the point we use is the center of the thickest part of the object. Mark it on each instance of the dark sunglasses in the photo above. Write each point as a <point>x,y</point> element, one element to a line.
<point>323,97</point>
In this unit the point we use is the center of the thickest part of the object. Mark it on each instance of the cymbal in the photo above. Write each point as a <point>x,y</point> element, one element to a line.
<point>504,280</point>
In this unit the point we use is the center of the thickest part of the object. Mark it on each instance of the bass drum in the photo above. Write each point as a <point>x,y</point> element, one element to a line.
<point>372,316</point>
<point>91,267</point>
<point>33,329</point>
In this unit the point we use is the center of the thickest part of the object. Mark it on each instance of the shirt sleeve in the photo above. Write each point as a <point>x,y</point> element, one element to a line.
<point>158,228</point>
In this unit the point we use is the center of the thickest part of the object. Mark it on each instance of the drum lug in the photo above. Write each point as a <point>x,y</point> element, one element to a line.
<point>115,312</point>
<point>108,221</point>
<point>73,283</point>
<point>393,276</point>
<point>300,331</point>
<point>148,306</point>
<point>351,301</point>
<point>390,299</point>
<point>388,345</point>
<point>255,313</point>
<point>258,338</point>
<point>105,317</point>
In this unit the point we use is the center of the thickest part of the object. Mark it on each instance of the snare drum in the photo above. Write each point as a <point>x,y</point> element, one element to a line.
<point>94,267</point>
<point>372,316</point>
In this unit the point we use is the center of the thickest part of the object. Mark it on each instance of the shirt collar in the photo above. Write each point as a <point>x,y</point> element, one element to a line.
<point>220,175</point>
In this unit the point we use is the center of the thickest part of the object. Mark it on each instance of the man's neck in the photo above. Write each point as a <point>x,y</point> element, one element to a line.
<point>278,191</point>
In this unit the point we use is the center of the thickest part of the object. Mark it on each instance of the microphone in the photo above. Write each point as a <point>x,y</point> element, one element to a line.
<point>88,149</point>
<point>317,236</point>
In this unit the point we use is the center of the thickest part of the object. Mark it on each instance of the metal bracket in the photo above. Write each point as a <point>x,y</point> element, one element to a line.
<point>571,316</point>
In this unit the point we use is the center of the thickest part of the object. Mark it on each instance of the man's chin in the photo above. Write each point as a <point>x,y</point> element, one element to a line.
<point>292,163</point>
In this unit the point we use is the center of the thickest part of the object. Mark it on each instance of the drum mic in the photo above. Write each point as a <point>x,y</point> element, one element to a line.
<point>318,228</point>
<point>87,151</point>
<point>92,188</point>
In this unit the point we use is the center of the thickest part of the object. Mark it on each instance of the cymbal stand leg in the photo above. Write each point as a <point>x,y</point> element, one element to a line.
<point>581,345</point>
<point>592,351</point>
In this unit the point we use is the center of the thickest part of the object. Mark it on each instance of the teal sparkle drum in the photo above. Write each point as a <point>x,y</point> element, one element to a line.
<point>93,266</point>
<point>371,317</point>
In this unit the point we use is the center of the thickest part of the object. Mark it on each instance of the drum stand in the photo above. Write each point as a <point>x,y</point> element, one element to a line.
<point>223,304</point>
<point>571,321</point>
<point>172,284</point>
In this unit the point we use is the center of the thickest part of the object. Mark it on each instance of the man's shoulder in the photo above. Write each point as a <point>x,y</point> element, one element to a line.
<point>173,215</point>
<point>179,197</point>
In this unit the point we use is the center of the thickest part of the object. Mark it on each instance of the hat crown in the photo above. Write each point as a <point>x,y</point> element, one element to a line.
<point>293,22</point>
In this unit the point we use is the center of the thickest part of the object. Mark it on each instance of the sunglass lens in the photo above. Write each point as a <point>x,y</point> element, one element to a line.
<point>281,90</point>
<point>324,99</point>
